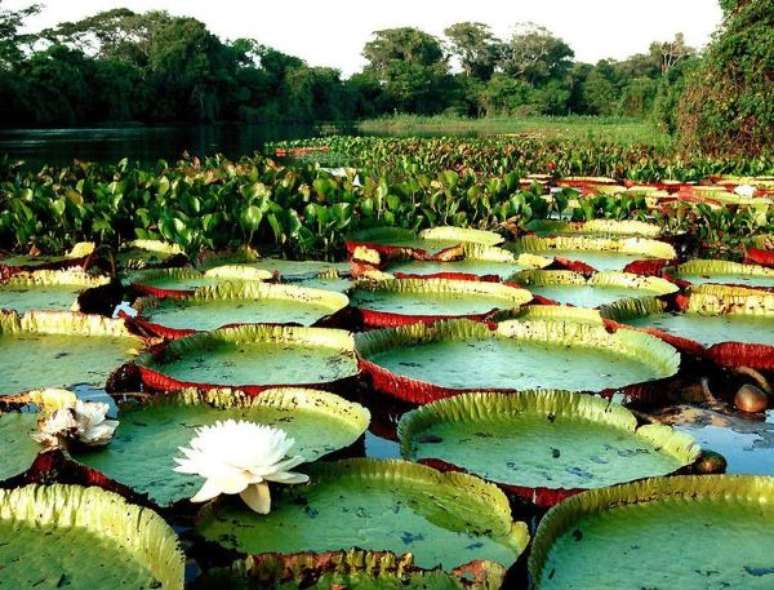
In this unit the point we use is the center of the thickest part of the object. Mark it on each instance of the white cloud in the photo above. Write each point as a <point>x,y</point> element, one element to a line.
<point>333,32</point>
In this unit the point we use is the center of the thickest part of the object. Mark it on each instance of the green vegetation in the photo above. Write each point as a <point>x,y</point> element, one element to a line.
<point>619,130</point>
<point>119,66</point>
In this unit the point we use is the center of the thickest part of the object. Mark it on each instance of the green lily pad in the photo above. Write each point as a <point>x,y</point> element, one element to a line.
<point>49,290</point>
<point>257,355</point>
<point>701,272</point>
<point>431,240</point>
<point>243,303</point>
<point>287,270</point>
<point>691,533</point>
<point>571,288</point>
<point>140,455</point>
<point>603,254</point>
<point>69,536</point>
<point>19,450</point>
<point>354,570</point>
<point>436,297</point>
<point>441,519</point>
<point>60,349</point>
<point>528,354</point>
<point>478,260</point>
<point>29,262</point>
<point>708,319</point>
<point>140,254</point>
<point>595,227</point>
<point>543,439</point>
<point>176,279</point>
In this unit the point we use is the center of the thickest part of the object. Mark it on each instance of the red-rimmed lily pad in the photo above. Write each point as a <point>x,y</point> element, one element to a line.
<point>589,253</point>
<point>78,256</point>
<point>47,290</point>
<point>477,261</point>
<point>238,303</point>
<point>438,243</point>
<point>141,454</point>
<point>542,446</point>
<point>251,358</point>
<point>446,519</point>
<point>687,532</point>
<point>61,536</point>
<point>422,363</point>
<point>724,272</point>
<point>140,254</point>
<point>732,326</point>
<point>169,282</point>
<point>61,349</point>
<point>394,302</point>
<point>594,227</point>
<point>571,288</point>
<point>354,569</point>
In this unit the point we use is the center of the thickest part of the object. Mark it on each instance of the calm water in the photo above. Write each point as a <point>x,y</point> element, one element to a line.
<point>146,144</point>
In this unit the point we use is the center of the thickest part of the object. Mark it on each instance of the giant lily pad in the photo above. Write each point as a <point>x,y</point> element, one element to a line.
<point>285,270</point>
<point>700,272</point>
<point>49,290</point>
<point>55,349</point>
<point>597,253</point>
<point>140,455</point>
<point>595,227</point>
<point>65,536</point>
<point>140,254</point>
<point>169,282</point>
<point>735,325</point>
<point>354,569</point>
<point>251,358</point>
<point>441,519</point>
<point>393,302</point>
<point>19,423</point>
<point>422,363</point>
<point>75,257</point>
<point>241,303</point>
<point>686,532</point>
<point>477,261</point>
<point>542,445</point>
<point>439,243</point>
<point>571,288</point>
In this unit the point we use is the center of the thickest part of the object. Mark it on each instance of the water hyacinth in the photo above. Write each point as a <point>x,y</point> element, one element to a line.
<point>240,457</point>
<point>84,423</point>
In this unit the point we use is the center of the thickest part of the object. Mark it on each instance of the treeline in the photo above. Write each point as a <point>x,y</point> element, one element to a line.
<point>121,66</point>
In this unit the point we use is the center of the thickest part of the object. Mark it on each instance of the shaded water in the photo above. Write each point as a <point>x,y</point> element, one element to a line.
<point>145,144</point>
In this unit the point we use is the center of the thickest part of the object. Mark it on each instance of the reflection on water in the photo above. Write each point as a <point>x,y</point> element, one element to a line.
<point>747,442</point>
<point>144,144</point>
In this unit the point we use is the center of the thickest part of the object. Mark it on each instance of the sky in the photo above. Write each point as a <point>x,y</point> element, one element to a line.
<point>333,32</point>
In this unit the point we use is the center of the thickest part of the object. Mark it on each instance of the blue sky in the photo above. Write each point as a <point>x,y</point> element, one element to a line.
<point>333,32</point>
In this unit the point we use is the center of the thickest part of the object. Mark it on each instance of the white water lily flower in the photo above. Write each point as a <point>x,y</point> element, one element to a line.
<point>240,458</point>
<point>94,429</point>
<point>745,190</point>
<point>84,422</point>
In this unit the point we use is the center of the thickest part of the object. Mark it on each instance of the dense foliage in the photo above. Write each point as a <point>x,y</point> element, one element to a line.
<point>120,66</point>
<point>303,209</point>
<point>727,106</point>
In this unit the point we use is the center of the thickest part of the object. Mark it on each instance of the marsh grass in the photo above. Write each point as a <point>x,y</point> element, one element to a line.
<point>620,130</point>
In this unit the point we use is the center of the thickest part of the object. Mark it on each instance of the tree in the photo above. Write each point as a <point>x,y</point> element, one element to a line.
<point>600,92</point>
<point>476,48</point>
<point>504,95</point>
<point>726,107</point>
<point>411,66</point>
<point>535,55</point>
<point>10,38</point>
<point>669,53</point>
